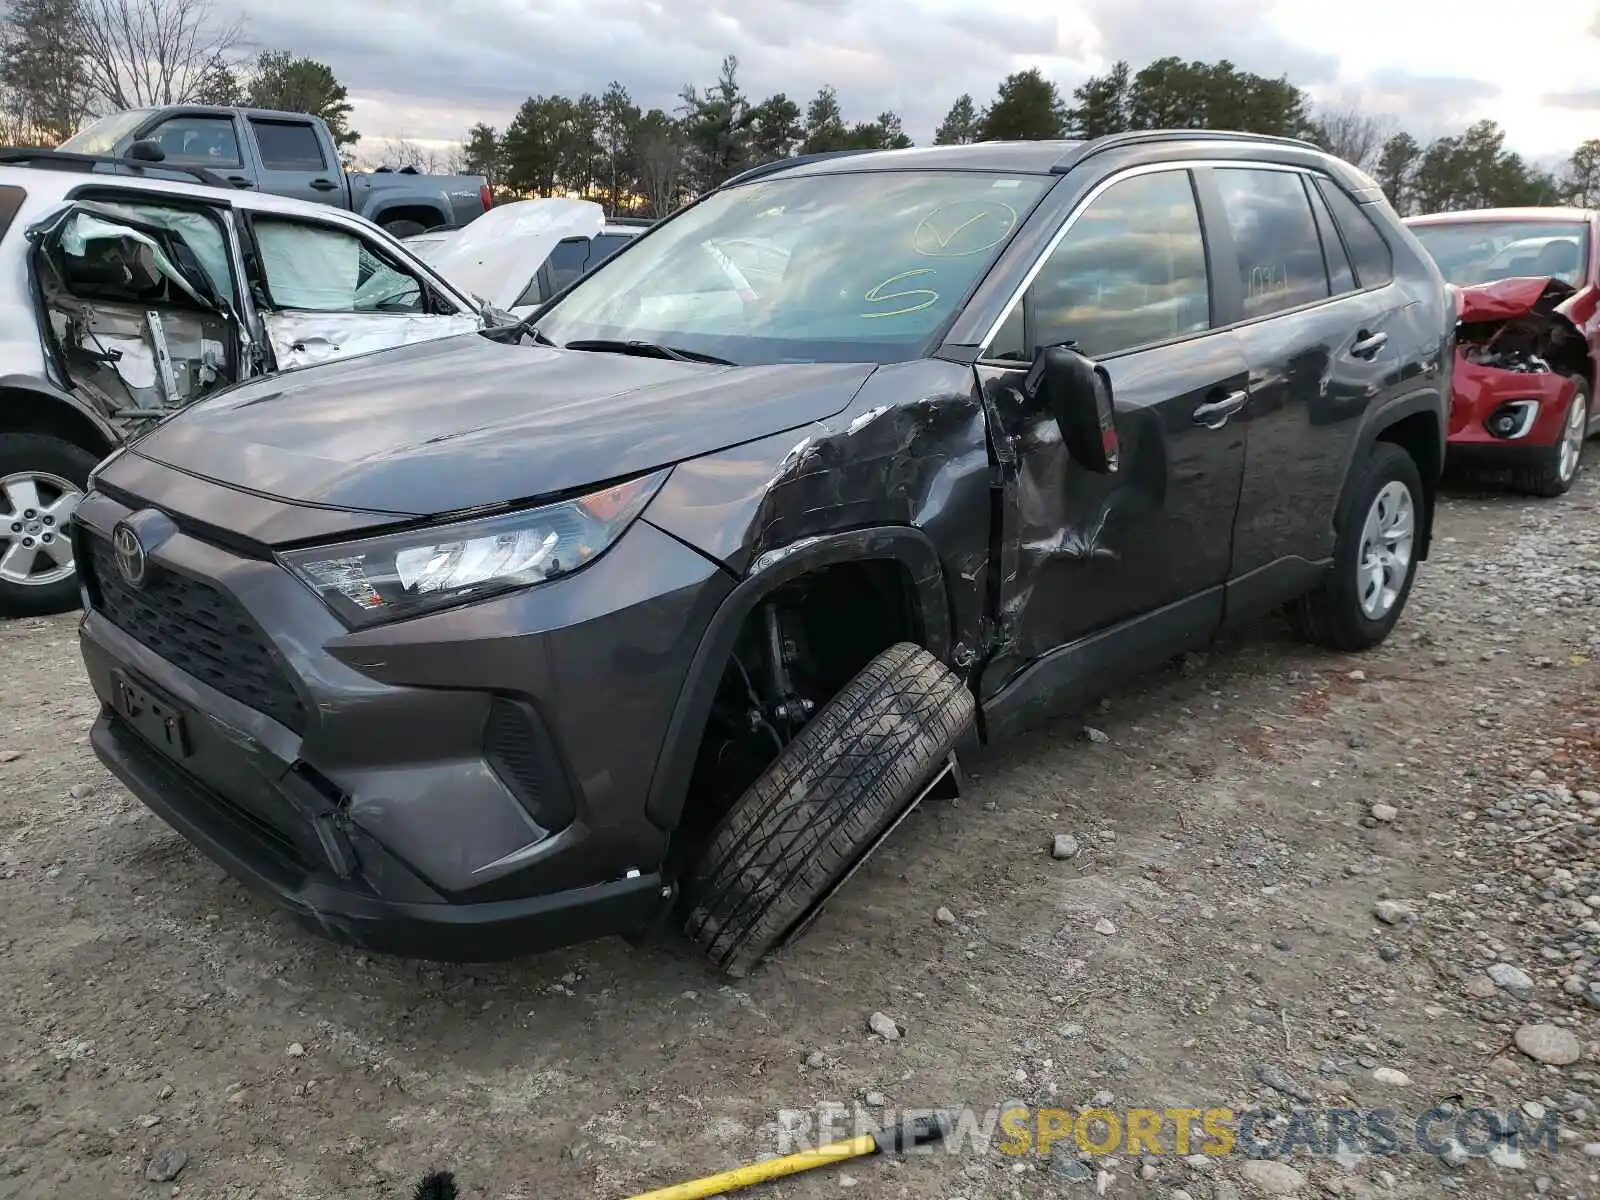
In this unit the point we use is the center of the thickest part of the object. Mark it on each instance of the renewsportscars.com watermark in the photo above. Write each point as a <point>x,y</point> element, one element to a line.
<point>1444,1131</point>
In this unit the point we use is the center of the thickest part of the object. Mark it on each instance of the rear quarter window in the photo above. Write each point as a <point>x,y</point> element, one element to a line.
<point>1369,252</point>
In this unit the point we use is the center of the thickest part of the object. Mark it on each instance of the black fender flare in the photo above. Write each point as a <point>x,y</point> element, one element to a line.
<point>30,389</point>
<point>902,544</point>
<point>1424,400</point>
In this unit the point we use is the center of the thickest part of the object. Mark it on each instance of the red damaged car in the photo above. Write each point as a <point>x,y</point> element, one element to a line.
<point>1528,294</point>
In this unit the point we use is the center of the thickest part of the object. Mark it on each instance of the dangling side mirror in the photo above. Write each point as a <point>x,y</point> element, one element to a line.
<point>1078,394</point>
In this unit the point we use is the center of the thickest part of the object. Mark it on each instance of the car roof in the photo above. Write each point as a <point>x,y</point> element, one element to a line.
<point>220,110</point>
<point>1532,215</point>
<point>1064,156</point>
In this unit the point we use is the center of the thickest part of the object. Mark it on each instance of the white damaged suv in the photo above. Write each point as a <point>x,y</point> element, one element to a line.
<point>125,296</point>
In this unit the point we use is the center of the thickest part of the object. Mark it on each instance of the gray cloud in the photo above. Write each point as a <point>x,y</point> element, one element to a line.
<point>1586,99</point>
<point>428,71</point>
<point>1231,29</point>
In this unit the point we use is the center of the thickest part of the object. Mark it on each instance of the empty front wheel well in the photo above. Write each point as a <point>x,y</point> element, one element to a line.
<point>22,411</point>
<point>796,648</point>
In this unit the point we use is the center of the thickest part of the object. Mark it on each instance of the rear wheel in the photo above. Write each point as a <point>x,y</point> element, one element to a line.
<point>1374,558</point>
<point>42,478</point>
<point>404,228</point>
<point>1556,469</point>
<point>823,804</point>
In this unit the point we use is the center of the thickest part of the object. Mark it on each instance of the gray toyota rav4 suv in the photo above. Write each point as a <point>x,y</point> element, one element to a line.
<point>679,594</point>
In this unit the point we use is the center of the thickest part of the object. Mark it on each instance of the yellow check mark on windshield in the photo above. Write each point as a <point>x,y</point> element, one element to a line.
<point>944,242</point>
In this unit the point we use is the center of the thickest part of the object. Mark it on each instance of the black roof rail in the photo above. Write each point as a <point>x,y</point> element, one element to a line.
<point>1139,137</point>
<point>65,160</point>
<point>783,164</point>
<point>641,222</point>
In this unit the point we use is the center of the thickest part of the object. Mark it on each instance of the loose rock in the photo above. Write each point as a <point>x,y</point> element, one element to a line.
<point>1280,1081</point>
<point>1549,1044</point>
<point>166,1164</point>
<point>1384,812</point>
<point>884,1026</point>
<point>1390,1077</point>
<point>1515,980</point>
<point>944,916</point>
<point>1272,1178</point>
<point>1394,912</point>
<point>1064,846</point>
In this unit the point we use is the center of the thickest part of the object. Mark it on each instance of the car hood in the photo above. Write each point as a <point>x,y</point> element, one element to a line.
<point>1505,299</point>
<point>468,422</point>
<point>496,255</point>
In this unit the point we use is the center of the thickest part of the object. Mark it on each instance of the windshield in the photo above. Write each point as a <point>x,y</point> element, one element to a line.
<point>863,267</point>
<point>102,137</point>
<point>1470,252</point>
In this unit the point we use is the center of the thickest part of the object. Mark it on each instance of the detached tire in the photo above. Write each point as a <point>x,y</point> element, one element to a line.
<point>1554,473</point>
<point>822,805</point>
<point>1345,613</point>
<point>51,461</point>
<point>404,229</point>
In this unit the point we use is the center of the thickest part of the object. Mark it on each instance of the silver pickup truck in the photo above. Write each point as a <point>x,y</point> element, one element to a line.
<point>287,154</point>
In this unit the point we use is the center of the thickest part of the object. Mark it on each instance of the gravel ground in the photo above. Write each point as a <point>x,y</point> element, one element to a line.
<point>1357,881</point>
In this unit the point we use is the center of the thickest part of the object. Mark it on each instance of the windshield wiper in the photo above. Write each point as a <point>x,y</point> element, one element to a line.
<point>513,332</point>
<point>646,349</point>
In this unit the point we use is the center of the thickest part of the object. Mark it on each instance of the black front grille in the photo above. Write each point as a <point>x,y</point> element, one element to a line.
<point>197,629</point>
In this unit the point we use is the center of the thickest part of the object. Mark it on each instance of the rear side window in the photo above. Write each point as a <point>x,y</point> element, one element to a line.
<point>199,141</point>
<point>567,261</point>
<point>1280,255</point>
<point>1340,273</point>
<point>288,146</point>
<point>1130,272</point>
<point>604,246</point>
<point>1369,253</point>
<point>11,199</point>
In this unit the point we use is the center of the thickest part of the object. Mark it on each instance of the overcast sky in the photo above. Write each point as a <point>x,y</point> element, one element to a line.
<point>428,70</point>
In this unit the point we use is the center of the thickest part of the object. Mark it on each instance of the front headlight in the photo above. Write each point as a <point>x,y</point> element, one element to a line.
<point>404,574</point>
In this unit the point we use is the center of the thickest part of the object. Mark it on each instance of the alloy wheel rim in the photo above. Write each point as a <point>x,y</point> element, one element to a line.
<point>1572,438</point>
<point>35,509</point>
<point>1388,536</point>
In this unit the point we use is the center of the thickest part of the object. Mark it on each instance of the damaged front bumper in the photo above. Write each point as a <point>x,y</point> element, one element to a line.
<point>1519,360</point>
<point>434,792</point>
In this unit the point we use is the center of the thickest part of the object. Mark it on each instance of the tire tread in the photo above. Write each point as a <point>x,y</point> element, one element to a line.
<point>832,791</point>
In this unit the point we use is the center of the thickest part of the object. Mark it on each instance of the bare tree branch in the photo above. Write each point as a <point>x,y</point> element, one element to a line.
<point>139,53</point>
<point>1352,135</point>
<point>399,152</point>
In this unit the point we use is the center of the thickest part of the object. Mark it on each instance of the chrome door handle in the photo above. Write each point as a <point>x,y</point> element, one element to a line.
<point>1215,414</point>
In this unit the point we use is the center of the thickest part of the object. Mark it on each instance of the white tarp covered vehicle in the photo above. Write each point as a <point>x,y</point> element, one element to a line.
<point>513,256</point>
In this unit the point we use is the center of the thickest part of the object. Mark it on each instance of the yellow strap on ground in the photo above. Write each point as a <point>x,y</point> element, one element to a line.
<point>761,1172</point>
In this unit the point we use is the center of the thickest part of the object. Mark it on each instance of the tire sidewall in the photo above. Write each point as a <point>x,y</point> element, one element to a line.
<point>42,452</point>
<point>1387,464</point>
<point>405,228</point>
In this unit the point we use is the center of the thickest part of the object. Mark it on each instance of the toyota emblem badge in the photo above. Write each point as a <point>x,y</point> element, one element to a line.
<point>129,551</point>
